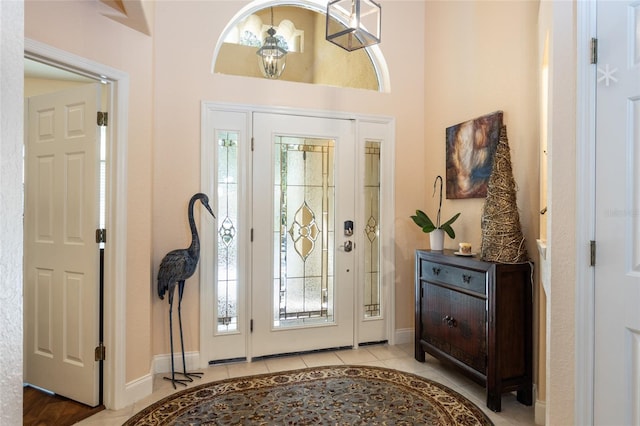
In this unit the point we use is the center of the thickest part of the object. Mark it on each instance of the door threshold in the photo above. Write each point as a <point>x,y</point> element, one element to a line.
<point>228,361</point>
<point>377,342</point>
<point>313,351</point>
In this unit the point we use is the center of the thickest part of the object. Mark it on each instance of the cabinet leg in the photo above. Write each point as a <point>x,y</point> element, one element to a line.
<point>494,401</point>
<point>525,396</point>
<point>419,355</point>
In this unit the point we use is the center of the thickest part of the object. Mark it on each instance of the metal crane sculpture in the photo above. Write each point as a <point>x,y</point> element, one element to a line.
<point>175,268</point>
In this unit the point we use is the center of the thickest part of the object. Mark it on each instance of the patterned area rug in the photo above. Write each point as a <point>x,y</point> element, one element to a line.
<point>337,395</point>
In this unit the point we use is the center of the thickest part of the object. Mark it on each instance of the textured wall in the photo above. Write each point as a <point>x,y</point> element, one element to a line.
<point>11,113</point>
<point>561,231</point>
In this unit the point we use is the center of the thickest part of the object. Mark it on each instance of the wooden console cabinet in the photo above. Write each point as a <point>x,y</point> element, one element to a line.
<point>477,316</point>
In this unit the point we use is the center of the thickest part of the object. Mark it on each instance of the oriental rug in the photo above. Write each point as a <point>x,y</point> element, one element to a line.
<point>336,395</point>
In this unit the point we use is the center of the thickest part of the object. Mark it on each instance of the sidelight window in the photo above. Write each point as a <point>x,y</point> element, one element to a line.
<point>227,285</point>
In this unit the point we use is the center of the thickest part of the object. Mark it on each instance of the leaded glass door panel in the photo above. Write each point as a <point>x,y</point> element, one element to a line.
<point>303,277</point>
<point>224,252</point>
<point>373,183</point>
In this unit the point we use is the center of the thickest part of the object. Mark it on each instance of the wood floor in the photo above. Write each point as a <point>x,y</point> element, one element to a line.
<point>43,409</point>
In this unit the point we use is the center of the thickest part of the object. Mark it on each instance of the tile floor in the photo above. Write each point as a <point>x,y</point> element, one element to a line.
<point>397,357</point>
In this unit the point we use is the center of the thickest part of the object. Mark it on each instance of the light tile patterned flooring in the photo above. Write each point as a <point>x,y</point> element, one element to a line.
<point>396,357</point>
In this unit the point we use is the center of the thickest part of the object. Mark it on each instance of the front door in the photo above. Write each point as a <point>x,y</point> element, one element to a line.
<point>300,255</point>
<point>61,255</point>
<point>617,271</point>
<point>303,244</point>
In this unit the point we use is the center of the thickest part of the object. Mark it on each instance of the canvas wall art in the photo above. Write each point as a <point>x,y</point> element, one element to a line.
<point>470,149</point>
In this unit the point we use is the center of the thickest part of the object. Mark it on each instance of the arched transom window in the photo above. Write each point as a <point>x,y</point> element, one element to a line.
<point>310,59</point>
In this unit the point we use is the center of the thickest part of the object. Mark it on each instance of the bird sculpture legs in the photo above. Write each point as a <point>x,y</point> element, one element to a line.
<point>196,374</point>
<point>189,376</point>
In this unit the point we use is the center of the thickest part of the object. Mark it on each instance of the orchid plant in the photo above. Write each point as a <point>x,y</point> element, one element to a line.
<point>423,221</point>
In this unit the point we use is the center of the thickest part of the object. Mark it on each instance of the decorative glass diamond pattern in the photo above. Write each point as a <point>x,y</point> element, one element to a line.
<point>371,229</point>
<point>227,231</point>
<point>304,231</point>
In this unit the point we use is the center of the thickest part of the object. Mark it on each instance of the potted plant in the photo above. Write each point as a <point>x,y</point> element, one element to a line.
<point>435,230</point>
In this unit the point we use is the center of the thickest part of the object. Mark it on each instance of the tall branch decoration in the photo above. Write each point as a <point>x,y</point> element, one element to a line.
<point>502,237</point>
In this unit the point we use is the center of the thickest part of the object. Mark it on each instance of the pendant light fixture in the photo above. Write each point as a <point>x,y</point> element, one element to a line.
<point>272,57</point>
<point>353,24</point>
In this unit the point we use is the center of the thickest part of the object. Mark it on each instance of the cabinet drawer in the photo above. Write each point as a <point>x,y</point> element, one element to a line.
<point>458,277</point>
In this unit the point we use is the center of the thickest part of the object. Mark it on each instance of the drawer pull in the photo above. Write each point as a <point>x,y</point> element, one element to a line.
<point>466,278</point>
<point>436,271</point>
<point>451,321</point>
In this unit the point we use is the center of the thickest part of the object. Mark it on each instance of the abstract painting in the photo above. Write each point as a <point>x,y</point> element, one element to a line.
<point>470,149</point>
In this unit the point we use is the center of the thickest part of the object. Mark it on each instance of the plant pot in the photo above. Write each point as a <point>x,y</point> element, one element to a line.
<point>436,239</point>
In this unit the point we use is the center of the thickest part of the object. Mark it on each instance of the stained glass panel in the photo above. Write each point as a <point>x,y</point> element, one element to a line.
<point>372,230</point>
<point>227,241</point>
<point>303,266</point>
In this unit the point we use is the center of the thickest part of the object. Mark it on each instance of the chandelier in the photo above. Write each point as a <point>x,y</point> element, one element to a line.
<point>271,56</point>
<point>353,24</point>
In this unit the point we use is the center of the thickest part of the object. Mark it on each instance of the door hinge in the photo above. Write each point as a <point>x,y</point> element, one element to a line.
<point>101,352</point>
<point>101,235</point>
<point>593,253</point>
<point>251,326</point>
<point>103,118</point>
<point>251,234</point>
<point>251,143</point>
<point>594,50</point>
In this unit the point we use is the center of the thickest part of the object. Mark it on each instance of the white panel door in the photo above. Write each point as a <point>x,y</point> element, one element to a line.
<point>617,271</point>
<point>303,268</point>
<point>61,255</point>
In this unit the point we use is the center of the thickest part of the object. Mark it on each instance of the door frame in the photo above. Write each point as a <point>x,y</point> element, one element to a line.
<point>585,212</point>
<point>387,210</point>
<point>114,385</point>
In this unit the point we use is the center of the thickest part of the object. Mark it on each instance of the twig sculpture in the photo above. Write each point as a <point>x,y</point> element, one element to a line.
<point>175,268</point>
<point>502,237</point>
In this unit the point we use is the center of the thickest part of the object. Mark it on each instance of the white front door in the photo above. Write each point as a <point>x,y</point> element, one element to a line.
<point>303,250</point>
<point>617,270</point>
<point>276,272</point>
<point>61,273</point>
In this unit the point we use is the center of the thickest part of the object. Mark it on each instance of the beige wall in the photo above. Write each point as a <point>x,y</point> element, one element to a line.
<point>467,58</point>
<point>481,57</point>
<point>53,22</point>
<point>186,34</point>
<point>80,28</point>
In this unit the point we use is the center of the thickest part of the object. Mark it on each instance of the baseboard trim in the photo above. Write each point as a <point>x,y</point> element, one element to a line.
<point>139,388</point>
<point>162,363</point>
<point>540,412</point>
<point>404,335</point>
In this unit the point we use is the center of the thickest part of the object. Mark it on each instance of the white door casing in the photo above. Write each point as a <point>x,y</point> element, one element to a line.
<point>218,343</point>
<point>116,393</point>
<point>61,254</point>
<point>617,222</point>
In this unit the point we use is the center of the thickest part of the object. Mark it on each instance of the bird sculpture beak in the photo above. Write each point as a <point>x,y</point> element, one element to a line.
<point>206,205</point>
